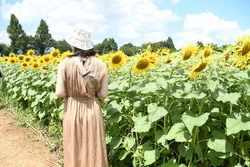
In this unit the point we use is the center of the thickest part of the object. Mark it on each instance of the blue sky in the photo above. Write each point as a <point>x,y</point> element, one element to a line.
<point>134,21</point>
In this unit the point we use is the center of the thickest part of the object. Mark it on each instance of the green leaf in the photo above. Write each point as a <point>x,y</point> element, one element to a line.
<point>213,84</point>
<point>41,114</point>
<point>151,156</point>
<point>179,133</point>
<point>123,154</point>
<point>215,112</point>
<point>115,142</point>
<point>128,143</point>
<point>156,112</point>
<point>191,120</point>
<point>150,87</point>
<point>114,107</point>
<point>52,96</point>
<point>116,117</point>
<point>236,123</point>
<point>220,145</point>
<point>141,124</point>
<point>161,138</point>
<point>170,163</point>
<point>31,92</point>
<point>228,97</point>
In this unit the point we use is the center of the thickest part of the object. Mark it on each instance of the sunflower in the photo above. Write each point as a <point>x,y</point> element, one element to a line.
<point>164,52</point>
<point>189,51</point>
<point>55,53</point>
<point>153,58</point>
<point>22,71</point>
<point>207,51</point>
<point>35,65</point>
<point>20,57</point>
<point>197,68</point>
<point>1,59</point>
<point>6,59</point>
<point>46,59</point>
<point>66,54</point>
<point>24,65</point>
<point>30,52</point>
<point>142,65</point>
<point>12,60</point>
<point>27,59</point>
<point>12,55</point>
<point>117,60</point>
<point>246,48</point>
<point>44,68</point>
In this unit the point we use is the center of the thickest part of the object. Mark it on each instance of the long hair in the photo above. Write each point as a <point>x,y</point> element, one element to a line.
<point>83,53</point>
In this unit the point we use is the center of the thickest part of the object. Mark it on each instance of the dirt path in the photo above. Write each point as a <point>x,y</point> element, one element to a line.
<point>19,148</point>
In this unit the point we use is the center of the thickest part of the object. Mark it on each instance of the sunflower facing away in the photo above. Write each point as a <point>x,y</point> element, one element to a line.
<point>207,51</point>
<point>189,51</point>
<point>197,68</point>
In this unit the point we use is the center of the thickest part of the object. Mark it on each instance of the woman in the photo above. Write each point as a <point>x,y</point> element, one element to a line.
<point>83,127</point>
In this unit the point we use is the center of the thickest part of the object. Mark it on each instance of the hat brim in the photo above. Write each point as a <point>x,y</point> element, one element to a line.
<point>84,45</point>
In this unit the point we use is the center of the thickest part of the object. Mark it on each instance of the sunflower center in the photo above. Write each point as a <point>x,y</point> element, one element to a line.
<point>142,64</point>
<point>116,59</point>
<point>207,53</point>
<point>246,49</point>
<point>46,59</point>
<point>187,55</point>
<point>201,67</point>
<point>35,65</point>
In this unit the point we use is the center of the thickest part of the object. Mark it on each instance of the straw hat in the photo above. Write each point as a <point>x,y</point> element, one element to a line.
<point>80,37</point>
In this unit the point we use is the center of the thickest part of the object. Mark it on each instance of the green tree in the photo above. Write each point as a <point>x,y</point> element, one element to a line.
<point>18,38</point>
<point>170,44</point>
<point>43,39</point>
<point>199,43</point>
<point>108,45</point>
<point>129,49</point>
<point>4,49</point>
<point>62,45</point>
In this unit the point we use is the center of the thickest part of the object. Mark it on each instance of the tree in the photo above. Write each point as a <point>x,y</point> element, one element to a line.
<point>170,44</point>
<point>42,39</point>
<point>17,36</point>
<point>62,45</point>
<point>108,45</point>
<point>199,43</point>
<point>129,49</point>
<point>4,49</point>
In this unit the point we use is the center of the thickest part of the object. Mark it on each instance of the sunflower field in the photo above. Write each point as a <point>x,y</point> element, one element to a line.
<point>189,108</point>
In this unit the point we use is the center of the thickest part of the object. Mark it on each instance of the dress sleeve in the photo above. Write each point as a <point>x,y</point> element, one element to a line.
<point>60,84</point>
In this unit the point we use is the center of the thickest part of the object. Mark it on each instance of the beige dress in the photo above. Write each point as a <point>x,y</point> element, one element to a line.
<point>83,127</point>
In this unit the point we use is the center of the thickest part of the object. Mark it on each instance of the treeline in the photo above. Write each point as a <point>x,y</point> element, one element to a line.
<point>42,42</point>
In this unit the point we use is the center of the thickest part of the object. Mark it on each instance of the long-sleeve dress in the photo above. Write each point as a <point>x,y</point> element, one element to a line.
<point>83,126</point>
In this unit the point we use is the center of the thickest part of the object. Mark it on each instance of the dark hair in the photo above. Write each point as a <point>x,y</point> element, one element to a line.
<point>83,53</point>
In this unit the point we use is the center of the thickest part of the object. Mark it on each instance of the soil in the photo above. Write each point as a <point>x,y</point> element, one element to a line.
<point>19,147</point>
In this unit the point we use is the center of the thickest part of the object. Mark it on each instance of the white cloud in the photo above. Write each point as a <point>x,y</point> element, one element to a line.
<point>207,28</point>
<point>4,38</point>
<point>154,37</point>
<point>111,17</point>
<point>187,38</point>
<point>175,1</point>
<point>207,23</point>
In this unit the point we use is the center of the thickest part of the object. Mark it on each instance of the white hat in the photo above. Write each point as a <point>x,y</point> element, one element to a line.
<point>80,37</point>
